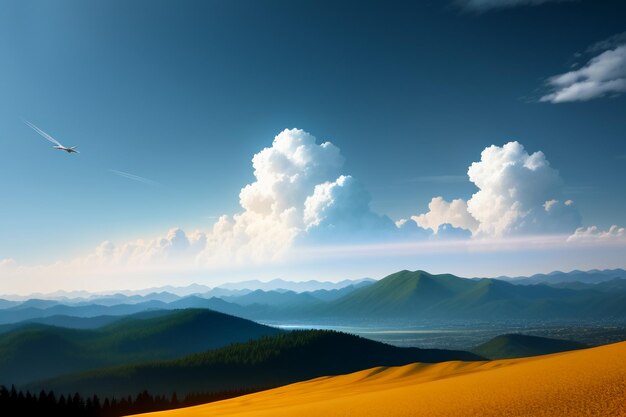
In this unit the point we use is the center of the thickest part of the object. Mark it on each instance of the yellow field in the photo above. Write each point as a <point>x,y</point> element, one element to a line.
<point>590,382</point>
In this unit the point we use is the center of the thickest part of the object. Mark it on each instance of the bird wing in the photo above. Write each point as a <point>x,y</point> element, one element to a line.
<point>43,134</point>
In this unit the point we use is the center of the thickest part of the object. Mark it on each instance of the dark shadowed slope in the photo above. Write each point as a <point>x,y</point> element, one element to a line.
<point>267,362</point>
<point>519,346</point>
<point>37,351</point>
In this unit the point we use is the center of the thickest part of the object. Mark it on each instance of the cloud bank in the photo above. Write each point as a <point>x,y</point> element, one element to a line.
<point>302,201</point>
<point>614,234</point>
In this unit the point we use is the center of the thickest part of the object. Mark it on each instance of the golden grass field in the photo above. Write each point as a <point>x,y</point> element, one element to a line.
<point>590,382</point>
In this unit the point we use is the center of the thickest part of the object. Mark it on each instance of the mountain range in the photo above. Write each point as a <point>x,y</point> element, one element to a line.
<point>409,296</point>
<point>179,292</point>
<point>593,276</point>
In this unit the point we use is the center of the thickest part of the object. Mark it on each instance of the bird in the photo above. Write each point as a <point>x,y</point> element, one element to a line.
<point>57,144</point>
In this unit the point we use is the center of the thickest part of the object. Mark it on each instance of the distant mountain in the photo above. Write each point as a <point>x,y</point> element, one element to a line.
<point>274,298</point>
<point>407,296</point>
<point>267,362</point>
<point>403,293</point>
<point>7,303</point>
<point>115,299</point>
<point>589,277</point>
<point>612,286</point>
<point>71,322</point>
<point>34,303</point>
<point>296,286</point>
<point>519,346</point>
<point>416,295</point>
<point>20,313</point>
<point>330,295</point>
<point>35,351</point>
<point>85,296</point>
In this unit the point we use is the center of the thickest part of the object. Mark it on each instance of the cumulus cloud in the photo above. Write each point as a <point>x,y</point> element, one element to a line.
<point>301,198</point>
<point>484,5</point>
<point>299,195</point>
<point>273,206</point>
<point>519,193</point>
<point>441,212</point>
<point>604,74</point>
<point>594,234</point>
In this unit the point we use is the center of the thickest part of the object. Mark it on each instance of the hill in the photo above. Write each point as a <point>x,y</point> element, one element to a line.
<point>408,295</point>
<point>519,346</point>
<point>72,322</point>
<point>267,362</point>
<point>419,295</point>
<point>589,382</point>
<point>404,292</point>
<point>36,351</point>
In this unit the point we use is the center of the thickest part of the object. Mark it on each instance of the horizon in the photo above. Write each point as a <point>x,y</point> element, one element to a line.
<point>70,293</point>
<point>280,149</point>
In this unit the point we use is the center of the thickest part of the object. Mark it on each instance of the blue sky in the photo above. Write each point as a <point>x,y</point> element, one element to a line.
<point>185,93</point>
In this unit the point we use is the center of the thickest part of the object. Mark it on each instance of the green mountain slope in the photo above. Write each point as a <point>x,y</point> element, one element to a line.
<point>267,362</point>
<point>404,292</point>
<point>417,295</point>
<point>519,346</point>
<point>38,351</point>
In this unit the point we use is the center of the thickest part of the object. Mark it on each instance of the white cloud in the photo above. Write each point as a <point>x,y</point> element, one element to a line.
<point>174,246</point>
<point>301,201</point>
<point>340,210</point>
<point>443,212</point>
<point>519,193</point>
<point>603,75</point>
<point>447,231</point>
<point>298,194</point>
<point>483,5</point>
<point>594,234</point>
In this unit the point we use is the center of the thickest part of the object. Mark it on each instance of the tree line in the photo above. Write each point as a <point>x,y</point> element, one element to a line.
<point>19,403</point>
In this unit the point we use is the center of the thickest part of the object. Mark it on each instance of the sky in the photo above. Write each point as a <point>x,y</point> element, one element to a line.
<point>479,137</point>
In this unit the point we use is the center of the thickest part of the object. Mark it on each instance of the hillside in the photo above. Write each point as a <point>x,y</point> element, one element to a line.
<point>267,362</point>
<point>589,382</point>
<point>404,292</point>
<point>36,351</point>
<point>519,346</point>
<point>408,295</point>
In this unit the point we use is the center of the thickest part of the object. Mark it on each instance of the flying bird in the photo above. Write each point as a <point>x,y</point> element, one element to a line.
<point>57,144</point>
